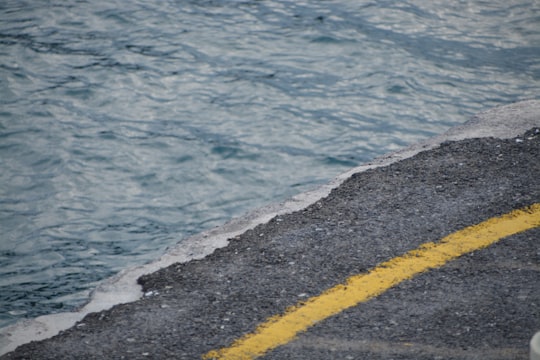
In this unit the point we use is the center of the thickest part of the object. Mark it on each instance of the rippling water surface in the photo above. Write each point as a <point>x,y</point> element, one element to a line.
<point>128,126</point>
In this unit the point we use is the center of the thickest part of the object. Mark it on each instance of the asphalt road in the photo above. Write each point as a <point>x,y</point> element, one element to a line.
<point>482,305</point>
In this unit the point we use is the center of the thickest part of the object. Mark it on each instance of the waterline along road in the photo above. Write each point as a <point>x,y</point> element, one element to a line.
<point>427,253</point>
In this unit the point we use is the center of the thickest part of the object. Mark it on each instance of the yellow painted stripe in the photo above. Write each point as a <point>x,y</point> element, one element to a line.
<point>281,329</point>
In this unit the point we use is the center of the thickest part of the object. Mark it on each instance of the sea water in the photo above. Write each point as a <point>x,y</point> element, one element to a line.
<point>126,126</point>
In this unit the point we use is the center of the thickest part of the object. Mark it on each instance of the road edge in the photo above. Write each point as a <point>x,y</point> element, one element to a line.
<point>502,122</point>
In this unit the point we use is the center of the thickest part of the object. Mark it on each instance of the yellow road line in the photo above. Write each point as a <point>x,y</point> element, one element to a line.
<point>281,329</point>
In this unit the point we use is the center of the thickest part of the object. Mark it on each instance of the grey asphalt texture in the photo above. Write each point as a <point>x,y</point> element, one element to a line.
<point>484,305</point>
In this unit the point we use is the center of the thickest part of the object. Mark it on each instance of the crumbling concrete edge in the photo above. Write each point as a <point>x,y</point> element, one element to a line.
<point>500,122</point>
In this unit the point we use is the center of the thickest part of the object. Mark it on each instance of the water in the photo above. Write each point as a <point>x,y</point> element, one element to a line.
<point>128,126</point>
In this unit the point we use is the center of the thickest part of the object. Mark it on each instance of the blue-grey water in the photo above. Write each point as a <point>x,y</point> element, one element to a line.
<point>126,126</point>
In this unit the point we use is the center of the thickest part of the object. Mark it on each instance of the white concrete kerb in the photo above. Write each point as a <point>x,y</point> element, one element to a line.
<point>535,347</point>
<point>501,122</point>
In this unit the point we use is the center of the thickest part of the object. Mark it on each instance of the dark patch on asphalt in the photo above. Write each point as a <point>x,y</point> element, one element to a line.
<point>487,299</point>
